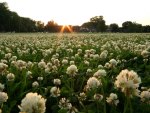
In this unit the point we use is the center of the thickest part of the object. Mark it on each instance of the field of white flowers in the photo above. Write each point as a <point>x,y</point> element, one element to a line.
<point>74,73</point>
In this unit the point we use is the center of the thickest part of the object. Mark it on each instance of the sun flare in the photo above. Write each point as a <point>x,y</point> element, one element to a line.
<point>66,28</point>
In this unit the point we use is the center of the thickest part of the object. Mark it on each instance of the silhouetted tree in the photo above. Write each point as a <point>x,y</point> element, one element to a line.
<point>98,23</point>
<point>129,26</point>
<point>4,17</point>
<point>88,25</point>
<point>76,28</point>
<point>146,29</point>
<point>14,22</point>
<point>51,26</point>
<point>40,26</point>
<point>11,21</point>
<point>114,27</point>
<point>137,27</point>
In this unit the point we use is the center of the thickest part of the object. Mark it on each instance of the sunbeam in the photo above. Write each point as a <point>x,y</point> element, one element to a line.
<point>66,28</point>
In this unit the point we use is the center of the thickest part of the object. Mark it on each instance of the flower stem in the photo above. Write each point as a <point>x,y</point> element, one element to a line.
<point>104,100</point>
<point>128,104</point>
<point>83,106</point>
<point>97,105</point>
<point>104,97</point>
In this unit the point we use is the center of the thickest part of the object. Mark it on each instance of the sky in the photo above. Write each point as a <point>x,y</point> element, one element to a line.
<point>76,12</point>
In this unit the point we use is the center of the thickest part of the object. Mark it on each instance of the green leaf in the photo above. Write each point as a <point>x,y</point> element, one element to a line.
<point>62,111</point>
<point>64,91</point>
<point>90,111</point>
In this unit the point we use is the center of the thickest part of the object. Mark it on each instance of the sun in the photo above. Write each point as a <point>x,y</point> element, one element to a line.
<point>66,28</point>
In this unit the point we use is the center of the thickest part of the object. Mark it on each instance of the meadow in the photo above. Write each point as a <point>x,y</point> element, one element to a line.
<point>74,73</point>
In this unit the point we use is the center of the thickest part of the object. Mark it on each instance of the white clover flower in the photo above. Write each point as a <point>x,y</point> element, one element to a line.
<point>35,84</point>
<point>113,63</point>
<point>145,53</point>
<point>29,64</point>
<point>13,63</point>
<point>4,61</point>
<point>112,99</point>
<point>89,72</point>
<point>28,73</point>
<point>72,62</point>
<point>107,65</point>
<point>1,87</point>
<point>34,52</point>
<point>46,52</point>
<point>10,77</point>
<point>77,56</point>
<point>8,55</point>
<point>13,58</point>
<point>91,56</point>
<point>64,61</point>
<point>123,60</point>
<point>85,56</point>
<point>40,78</point>
<point>111,54</point>
<point>54,68</point>
<point>144,88</point>
<point>3,97</point>
<point>86,63</point>
<point>57,81</point>
<point>20,64</point>
<point>56,62</point>
<point>19,52</point>
<point>64,103</point>
<point>69,50</point>
<point>73,109</point>
<point>47,70</point>
<point>33,103</point>
<point>145,60</point>
<point>8,49</point>
<point>82,96</point>
<point>3,67</point>
<point>93,82</point>
<point>49,65</point>
<point>69,106</point>
<point>129,82</point>
<point>57,55</point>
<point>87,52</point>
<point>92,51</point>
<point>71,70</point>
<point>100,67</point>
<point>52,59</point>
<point>96,56</point>
<point>100,73</point>
<point>55,91</point>
<point>145,96</point>
<point>135,58</point>
<point>103,54</point>
<point>79,51</point>
<point>98,97</point>
<point>42,65</point>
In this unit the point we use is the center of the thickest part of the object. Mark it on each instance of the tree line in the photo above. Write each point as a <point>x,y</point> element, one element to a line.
<point>12,22</point>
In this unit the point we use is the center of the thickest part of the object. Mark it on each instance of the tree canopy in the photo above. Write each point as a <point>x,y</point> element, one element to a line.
<point>11,21</point>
